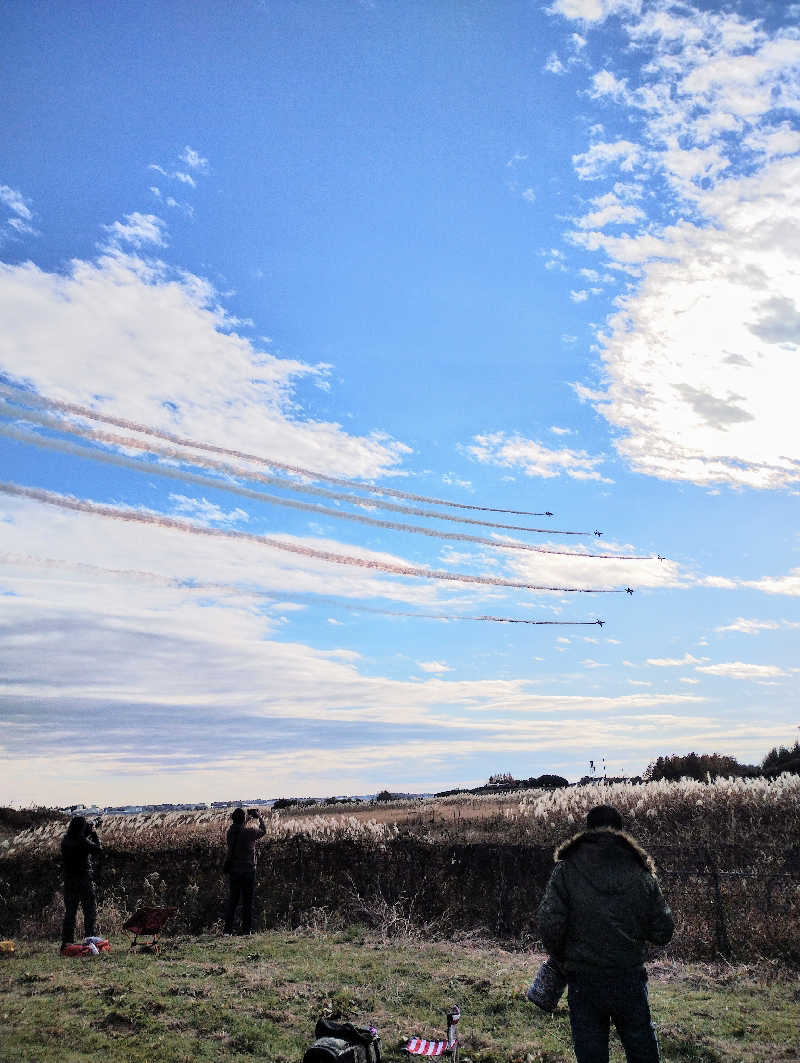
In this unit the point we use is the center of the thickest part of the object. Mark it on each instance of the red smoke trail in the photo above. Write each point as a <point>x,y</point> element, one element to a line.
<point>82,432</point>
<point>276,596</point>
<point>133,516</point>
<point>297,470</point>
<point>291,503</point>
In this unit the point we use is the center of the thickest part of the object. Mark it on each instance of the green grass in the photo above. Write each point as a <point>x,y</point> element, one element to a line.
<point>257,998</point>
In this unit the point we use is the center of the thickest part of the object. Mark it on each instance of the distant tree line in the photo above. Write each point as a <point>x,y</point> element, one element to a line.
<point>506,783</point>
<point>703,766</point>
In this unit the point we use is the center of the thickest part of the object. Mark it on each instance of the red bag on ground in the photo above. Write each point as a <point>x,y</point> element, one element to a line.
<point>92,946</point>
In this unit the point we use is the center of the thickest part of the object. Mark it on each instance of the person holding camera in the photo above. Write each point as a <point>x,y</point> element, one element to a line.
<point>240,865</point>
<point>78,846</point>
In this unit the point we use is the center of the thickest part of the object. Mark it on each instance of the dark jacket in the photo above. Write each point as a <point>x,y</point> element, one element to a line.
<point>241,841</point>
<point>603,904</point>
<point>76,854</point>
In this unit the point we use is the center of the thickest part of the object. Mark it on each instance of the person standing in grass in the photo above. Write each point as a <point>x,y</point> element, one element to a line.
<point>240,866</point>
<point>77,847</point>
<point>601,907</point>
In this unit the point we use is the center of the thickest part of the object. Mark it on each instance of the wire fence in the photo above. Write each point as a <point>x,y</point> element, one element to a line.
<point>729,901</point>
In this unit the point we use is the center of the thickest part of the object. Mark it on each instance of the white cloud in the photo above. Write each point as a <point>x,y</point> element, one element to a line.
<point>434,667</point>
<point>700,360</point>
<point>749,627</point>
<point>594,10</point>
<point>606,83</point>
<point>742,670</point>
<point>160,648</point>
<point>21,220</point>
<point>554,65</point>
<point>579,296</point>
<point>592,164</point>
<point>15,201</point>
<point>207,512</point>
<point>534,459</point>
<point>140,341</point>
<point>788,584</point>
<point>674,662</point>
<point>575,567</point>
<point>190,158</point>
<point>775,143</point>
<point>194,159</point>
<point>609,210</point>
<point>138,230</point>
<point>721,582</point>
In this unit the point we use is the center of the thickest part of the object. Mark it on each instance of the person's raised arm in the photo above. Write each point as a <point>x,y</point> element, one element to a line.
<point>92,841</point>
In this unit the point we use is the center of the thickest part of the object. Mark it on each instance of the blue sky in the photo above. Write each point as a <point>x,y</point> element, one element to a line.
<point>505,255</point>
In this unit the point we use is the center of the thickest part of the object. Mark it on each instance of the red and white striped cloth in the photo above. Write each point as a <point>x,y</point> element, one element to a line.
<point>417,1046</point>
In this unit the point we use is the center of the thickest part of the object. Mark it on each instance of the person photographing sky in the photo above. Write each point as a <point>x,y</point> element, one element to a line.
<point>240,865</point>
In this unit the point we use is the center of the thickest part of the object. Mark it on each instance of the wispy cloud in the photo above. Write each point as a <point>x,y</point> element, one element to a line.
<point>749,627</point>
<point>593,11</point>
<point>138,230</point>
<point>18,206</point>
<point>194,160</point>
<point>593,164</point>
<point>434,667</point>
<point>674,662</point>
<point>15,201</point>
<point>534,459</point>
<point>743,670</point>
<point>207,512</point>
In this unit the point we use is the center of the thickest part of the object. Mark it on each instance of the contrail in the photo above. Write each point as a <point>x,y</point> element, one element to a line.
<point>297,470</point>
<point>295,598</point>
<point>133,516</point>
<point>65,447</point>
<point>59,425</point>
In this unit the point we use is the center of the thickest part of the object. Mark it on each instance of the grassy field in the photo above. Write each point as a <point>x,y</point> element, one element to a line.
<point>257,998</point>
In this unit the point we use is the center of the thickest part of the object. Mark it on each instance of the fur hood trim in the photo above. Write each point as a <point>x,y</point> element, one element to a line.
<point>641,854</point>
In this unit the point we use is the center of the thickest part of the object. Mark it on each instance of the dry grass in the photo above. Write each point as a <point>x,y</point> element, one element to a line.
<point>686,812</point>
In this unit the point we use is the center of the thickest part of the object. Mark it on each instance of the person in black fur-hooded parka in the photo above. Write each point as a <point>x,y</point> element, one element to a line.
<point>601,908</point>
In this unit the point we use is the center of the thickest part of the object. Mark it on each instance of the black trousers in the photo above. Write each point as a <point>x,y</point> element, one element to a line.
<point>78,890</point>
<point>620,997</point>
<point>241,887</point>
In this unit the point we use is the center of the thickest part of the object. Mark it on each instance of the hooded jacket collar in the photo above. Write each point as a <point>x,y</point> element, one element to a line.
<point>592,837</point>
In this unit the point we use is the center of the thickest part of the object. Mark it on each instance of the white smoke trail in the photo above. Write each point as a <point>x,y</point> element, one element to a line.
<point>135,516</point>
<point>23,395</point>
<point>10,412</point>
<point>185,476</point>
<point>276,596</point>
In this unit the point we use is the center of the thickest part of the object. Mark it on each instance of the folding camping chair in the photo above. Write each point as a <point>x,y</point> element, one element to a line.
<point>147,921</point>
<point>419,1046</point>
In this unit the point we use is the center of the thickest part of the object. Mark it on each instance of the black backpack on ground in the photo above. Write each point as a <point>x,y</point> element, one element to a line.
<point>342,1042</point>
